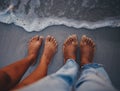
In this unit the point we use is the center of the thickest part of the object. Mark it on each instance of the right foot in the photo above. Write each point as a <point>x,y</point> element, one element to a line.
<point>50,48</point>
<point>87,48</point>
<point>70,48</point>
<point>34,46</point>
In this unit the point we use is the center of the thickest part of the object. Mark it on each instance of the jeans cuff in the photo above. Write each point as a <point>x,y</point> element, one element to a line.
<point>91,65</point>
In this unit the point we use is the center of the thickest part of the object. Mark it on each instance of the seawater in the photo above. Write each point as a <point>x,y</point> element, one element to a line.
<point>35,15</point>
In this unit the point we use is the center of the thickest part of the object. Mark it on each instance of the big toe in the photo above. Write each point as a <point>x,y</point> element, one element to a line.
<point>75,41</point>
<point>74,37</point>
<point>40,38</point>
<point>36,37</point>
<point>83,40</point>
<point>48,38</point>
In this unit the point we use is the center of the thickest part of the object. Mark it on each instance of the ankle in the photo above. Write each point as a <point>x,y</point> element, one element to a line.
<point>45,59</point>
<point>31,57</point>
<point>85,61</point>
<point>72,57</point>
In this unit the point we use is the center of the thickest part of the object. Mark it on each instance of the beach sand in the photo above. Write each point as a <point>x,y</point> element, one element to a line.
<point>13,46</point>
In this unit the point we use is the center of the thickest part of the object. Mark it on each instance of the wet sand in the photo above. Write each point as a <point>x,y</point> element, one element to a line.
<point>13,46</point>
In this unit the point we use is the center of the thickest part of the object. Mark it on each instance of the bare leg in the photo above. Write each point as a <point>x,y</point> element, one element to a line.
<point>12,73</point>
<point>41,71</point>
<point>87,48</point>
<point>70,48</point>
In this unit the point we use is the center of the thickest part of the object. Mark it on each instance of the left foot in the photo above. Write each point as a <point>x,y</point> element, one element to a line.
<point>70,48</point>
<point>34,46</point>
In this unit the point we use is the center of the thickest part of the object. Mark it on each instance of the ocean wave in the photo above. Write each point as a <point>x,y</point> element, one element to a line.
<point>38,24</point>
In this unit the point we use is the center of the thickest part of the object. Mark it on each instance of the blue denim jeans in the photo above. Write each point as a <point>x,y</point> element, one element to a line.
<point>93,78</point>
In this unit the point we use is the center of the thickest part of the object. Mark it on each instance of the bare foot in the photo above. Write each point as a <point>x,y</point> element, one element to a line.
<point>70,47</point>
<point>34,46</point>
<point>87,48</point>
<point>50,48</point>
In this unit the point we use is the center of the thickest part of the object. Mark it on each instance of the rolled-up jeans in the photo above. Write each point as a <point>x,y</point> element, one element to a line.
<point>93,77</point>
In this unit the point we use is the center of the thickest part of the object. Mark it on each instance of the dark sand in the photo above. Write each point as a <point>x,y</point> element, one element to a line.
<point>13,46</point>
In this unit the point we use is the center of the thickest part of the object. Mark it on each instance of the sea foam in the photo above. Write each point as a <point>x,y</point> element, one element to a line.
<point>38,24</point>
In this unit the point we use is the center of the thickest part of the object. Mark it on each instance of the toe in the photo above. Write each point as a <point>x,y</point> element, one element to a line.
<point>70,39</point>
<point>75,40</point>
<point>64,44</point>
<point>82,43</point>
<point>67,41</point>
<point>36,37</point>
<point>41,38</point>
<point>52,39</point>
<point>83,37</point>
<point>48,38</point>
<point>83,40</point>
<point>56,43</point>
<point>93,45</point>
<point>89,42</point>
<point>74,37</point>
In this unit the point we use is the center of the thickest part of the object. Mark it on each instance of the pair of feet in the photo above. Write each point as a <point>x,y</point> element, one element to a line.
<point>87,47</point>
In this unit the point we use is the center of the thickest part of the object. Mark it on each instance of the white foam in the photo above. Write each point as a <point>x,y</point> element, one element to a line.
<point>38,24</point>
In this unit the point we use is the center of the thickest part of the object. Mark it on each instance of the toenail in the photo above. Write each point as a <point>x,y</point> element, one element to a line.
<point>48,36</point>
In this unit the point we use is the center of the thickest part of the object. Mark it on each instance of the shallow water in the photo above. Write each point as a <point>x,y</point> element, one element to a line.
<point>35,15</point>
